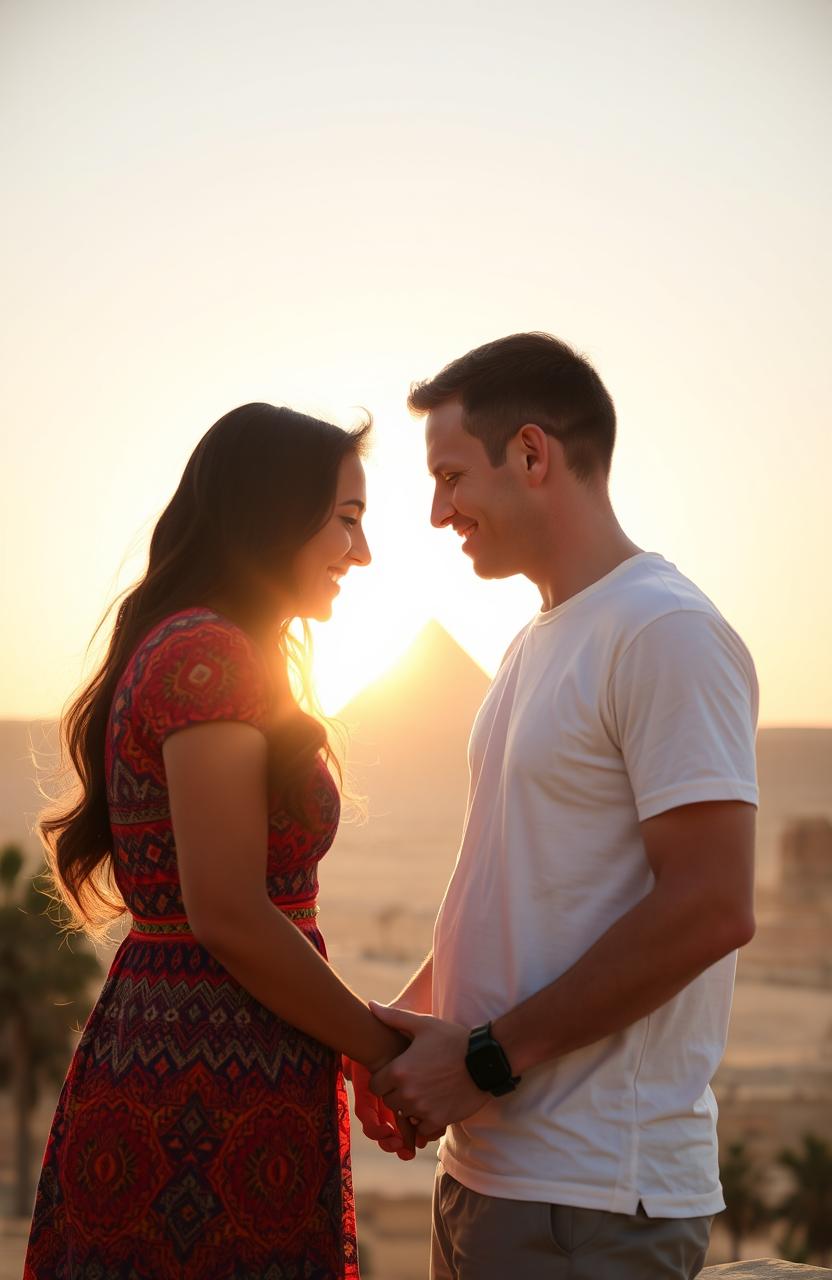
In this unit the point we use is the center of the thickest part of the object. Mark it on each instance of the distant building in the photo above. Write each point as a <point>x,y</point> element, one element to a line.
<point>806,860</point>
<point>793,942</point>
<point>769,1095</point>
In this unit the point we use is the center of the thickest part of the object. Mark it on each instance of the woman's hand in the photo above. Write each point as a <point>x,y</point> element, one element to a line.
<point>393,1133</point>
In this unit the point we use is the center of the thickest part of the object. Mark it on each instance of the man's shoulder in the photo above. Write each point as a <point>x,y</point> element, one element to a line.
<point>653,609</point>
<point>654,589</point>
<point>669,625</point>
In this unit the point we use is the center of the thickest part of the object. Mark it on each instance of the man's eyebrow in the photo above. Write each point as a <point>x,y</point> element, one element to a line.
<point>353,502</point>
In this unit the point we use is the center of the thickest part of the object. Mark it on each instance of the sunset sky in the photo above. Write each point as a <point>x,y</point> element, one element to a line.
<point>210,202</point>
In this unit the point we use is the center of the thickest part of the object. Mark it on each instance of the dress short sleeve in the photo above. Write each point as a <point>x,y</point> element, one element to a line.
<point>194,668</point>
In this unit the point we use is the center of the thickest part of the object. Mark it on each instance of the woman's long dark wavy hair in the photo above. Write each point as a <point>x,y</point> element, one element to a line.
<point>258,485</point>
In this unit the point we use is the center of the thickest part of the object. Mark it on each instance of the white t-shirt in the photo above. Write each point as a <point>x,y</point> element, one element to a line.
<point>629,699</point>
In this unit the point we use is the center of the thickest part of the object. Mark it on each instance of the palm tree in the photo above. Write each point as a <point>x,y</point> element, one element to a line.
<point>807,1210</point>
<point>44,987</point>
<point>745,1209</point>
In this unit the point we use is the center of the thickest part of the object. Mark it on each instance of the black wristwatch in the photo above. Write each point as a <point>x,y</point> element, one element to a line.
<point>487,1064</point>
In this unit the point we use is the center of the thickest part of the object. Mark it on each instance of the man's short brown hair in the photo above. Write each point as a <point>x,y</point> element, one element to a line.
<point>527,377</point>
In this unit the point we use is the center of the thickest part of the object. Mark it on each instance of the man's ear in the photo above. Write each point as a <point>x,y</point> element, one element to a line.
<point>534,452</point>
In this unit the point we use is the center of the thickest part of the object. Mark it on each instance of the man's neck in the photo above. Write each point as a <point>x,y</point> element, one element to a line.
<point>576,562</point>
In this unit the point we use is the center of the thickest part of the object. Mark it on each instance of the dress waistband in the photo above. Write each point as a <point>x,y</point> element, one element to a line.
<point>305,910</point>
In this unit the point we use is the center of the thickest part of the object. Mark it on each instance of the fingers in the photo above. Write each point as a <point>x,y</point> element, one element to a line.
<point>395,1100</point>
<point>385,1083</point>
<point>407,1129</point>
<point>376,1129</point>
<point>394,1134</point>
<point>399,1019</point>
<point>390,1120</point>
<point>394,1143</point>
<point>375,1123</point>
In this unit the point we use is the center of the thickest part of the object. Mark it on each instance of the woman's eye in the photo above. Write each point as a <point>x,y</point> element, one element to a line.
<point>350,520</point>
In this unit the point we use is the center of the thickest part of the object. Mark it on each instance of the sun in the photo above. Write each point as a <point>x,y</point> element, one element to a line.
<point>350,652</point>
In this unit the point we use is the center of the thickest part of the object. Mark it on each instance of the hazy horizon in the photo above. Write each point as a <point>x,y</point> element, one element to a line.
<point>384,672</point>
<point>396,758</point>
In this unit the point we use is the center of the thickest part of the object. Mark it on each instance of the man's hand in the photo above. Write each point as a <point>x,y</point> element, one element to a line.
<point>392,1133</point>
<point>429,1082</point>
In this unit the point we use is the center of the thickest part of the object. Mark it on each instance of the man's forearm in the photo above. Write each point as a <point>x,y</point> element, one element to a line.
<point>640,963</point>
<point>418,994</point>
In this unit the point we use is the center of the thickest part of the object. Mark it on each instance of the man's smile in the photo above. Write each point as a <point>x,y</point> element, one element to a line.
<point>466,530</point>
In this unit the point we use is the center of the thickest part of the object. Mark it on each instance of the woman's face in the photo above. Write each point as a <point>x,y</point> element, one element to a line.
<point>325,558</point>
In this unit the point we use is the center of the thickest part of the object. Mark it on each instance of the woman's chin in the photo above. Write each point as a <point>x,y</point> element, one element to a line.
<point>321,612</point>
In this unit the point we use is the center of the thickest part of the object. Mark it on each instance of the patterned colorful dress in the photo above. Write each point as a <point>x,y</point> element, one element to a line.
<point>197,1135</point>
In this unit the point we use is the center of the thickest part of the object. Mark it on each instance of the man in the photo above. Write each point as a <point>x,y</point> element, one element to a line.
<point>576,1003</point>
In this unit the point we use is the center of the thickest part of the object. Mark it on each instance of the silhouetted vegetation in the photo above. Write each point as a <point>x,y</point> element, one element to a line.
<point>807,1210</point>
<point>745,1209</point>
<point>44,985</point>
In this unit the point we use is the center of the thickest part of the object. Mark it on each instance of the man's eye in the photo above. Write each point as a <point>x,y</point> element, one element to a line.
<point>451,477</point>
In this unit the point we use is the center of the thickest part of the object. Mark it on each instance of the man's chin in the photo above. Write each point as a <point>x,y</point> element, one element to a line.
<point>487,571</point>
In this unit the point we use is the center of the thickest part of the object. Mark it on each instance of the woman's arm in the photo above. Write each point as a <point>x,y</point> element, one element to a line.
<point>217,783</point>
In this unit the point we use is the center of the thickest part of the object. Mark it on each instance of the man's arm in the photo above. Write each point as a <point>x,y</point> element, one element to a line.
<point>418,994</point>
<point>699,909</point>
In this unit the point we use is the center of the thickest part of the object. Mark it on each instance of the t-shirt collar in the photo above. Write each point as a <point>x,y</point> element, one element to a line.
<point>544,616</point>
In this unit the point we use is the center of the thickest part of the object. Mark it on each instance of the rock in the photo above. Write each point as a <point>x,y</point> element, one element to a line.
<point>765,1269</point>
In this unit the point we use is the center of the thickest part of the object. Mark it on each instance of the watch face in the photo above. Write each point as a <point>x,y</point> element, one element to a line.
<point>489,1067</point>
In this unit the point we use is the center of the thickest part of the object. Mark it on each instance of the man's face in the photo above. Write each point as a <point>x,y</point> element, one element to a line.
<point>479,501</point>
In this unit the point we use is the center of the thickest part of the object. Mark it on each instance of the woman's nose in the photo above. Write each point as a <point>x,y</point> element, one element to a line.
<point>360,550</point>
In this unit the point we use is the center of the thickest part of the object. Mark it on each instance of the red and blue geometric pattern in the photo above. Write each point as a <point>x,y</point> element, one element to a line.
<point>197,1135</point>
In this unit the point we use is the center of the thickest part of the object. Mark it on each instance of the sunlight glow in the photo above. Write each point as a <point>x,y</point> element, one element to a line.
<point>232,236</point>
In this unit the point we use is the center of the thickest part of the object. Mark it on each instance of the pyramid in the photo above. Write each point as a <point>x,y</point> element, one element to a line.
<point>407,760</point>
<point>414,722</point>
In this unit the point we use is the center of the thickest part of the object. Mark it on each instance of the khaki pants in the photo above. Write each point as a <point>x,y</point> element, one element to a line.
<point>478,1237</point>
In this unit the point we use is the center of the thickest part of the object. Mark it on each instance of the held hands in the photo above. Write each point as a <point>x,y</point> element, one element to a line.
<point>392,1133</point>
<point>429,1082</point>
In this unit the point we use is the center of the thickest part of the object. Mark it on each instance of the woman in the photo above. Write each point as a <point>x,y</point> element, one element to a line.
<point>202,1130</point>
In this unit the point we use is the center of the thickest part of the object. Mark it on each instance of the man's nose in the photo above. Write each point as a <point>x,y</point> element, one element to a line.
<point>442,510</point>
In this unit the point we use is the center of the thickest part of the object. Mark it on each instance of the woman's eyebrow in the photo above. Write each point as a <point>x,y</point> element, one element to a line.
<point>352,502</point>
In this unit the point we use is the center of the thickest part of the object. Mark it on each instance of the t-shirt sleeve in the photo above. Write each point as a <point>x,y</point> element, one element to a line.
<point>684,702</point>
<point>196,671</point>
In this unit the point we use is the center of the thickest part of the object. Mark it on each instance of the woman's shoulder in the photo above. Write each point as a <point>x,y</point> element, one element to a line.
<point>198,632</point>
<point>201,662</point>
<point>198,625</point>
